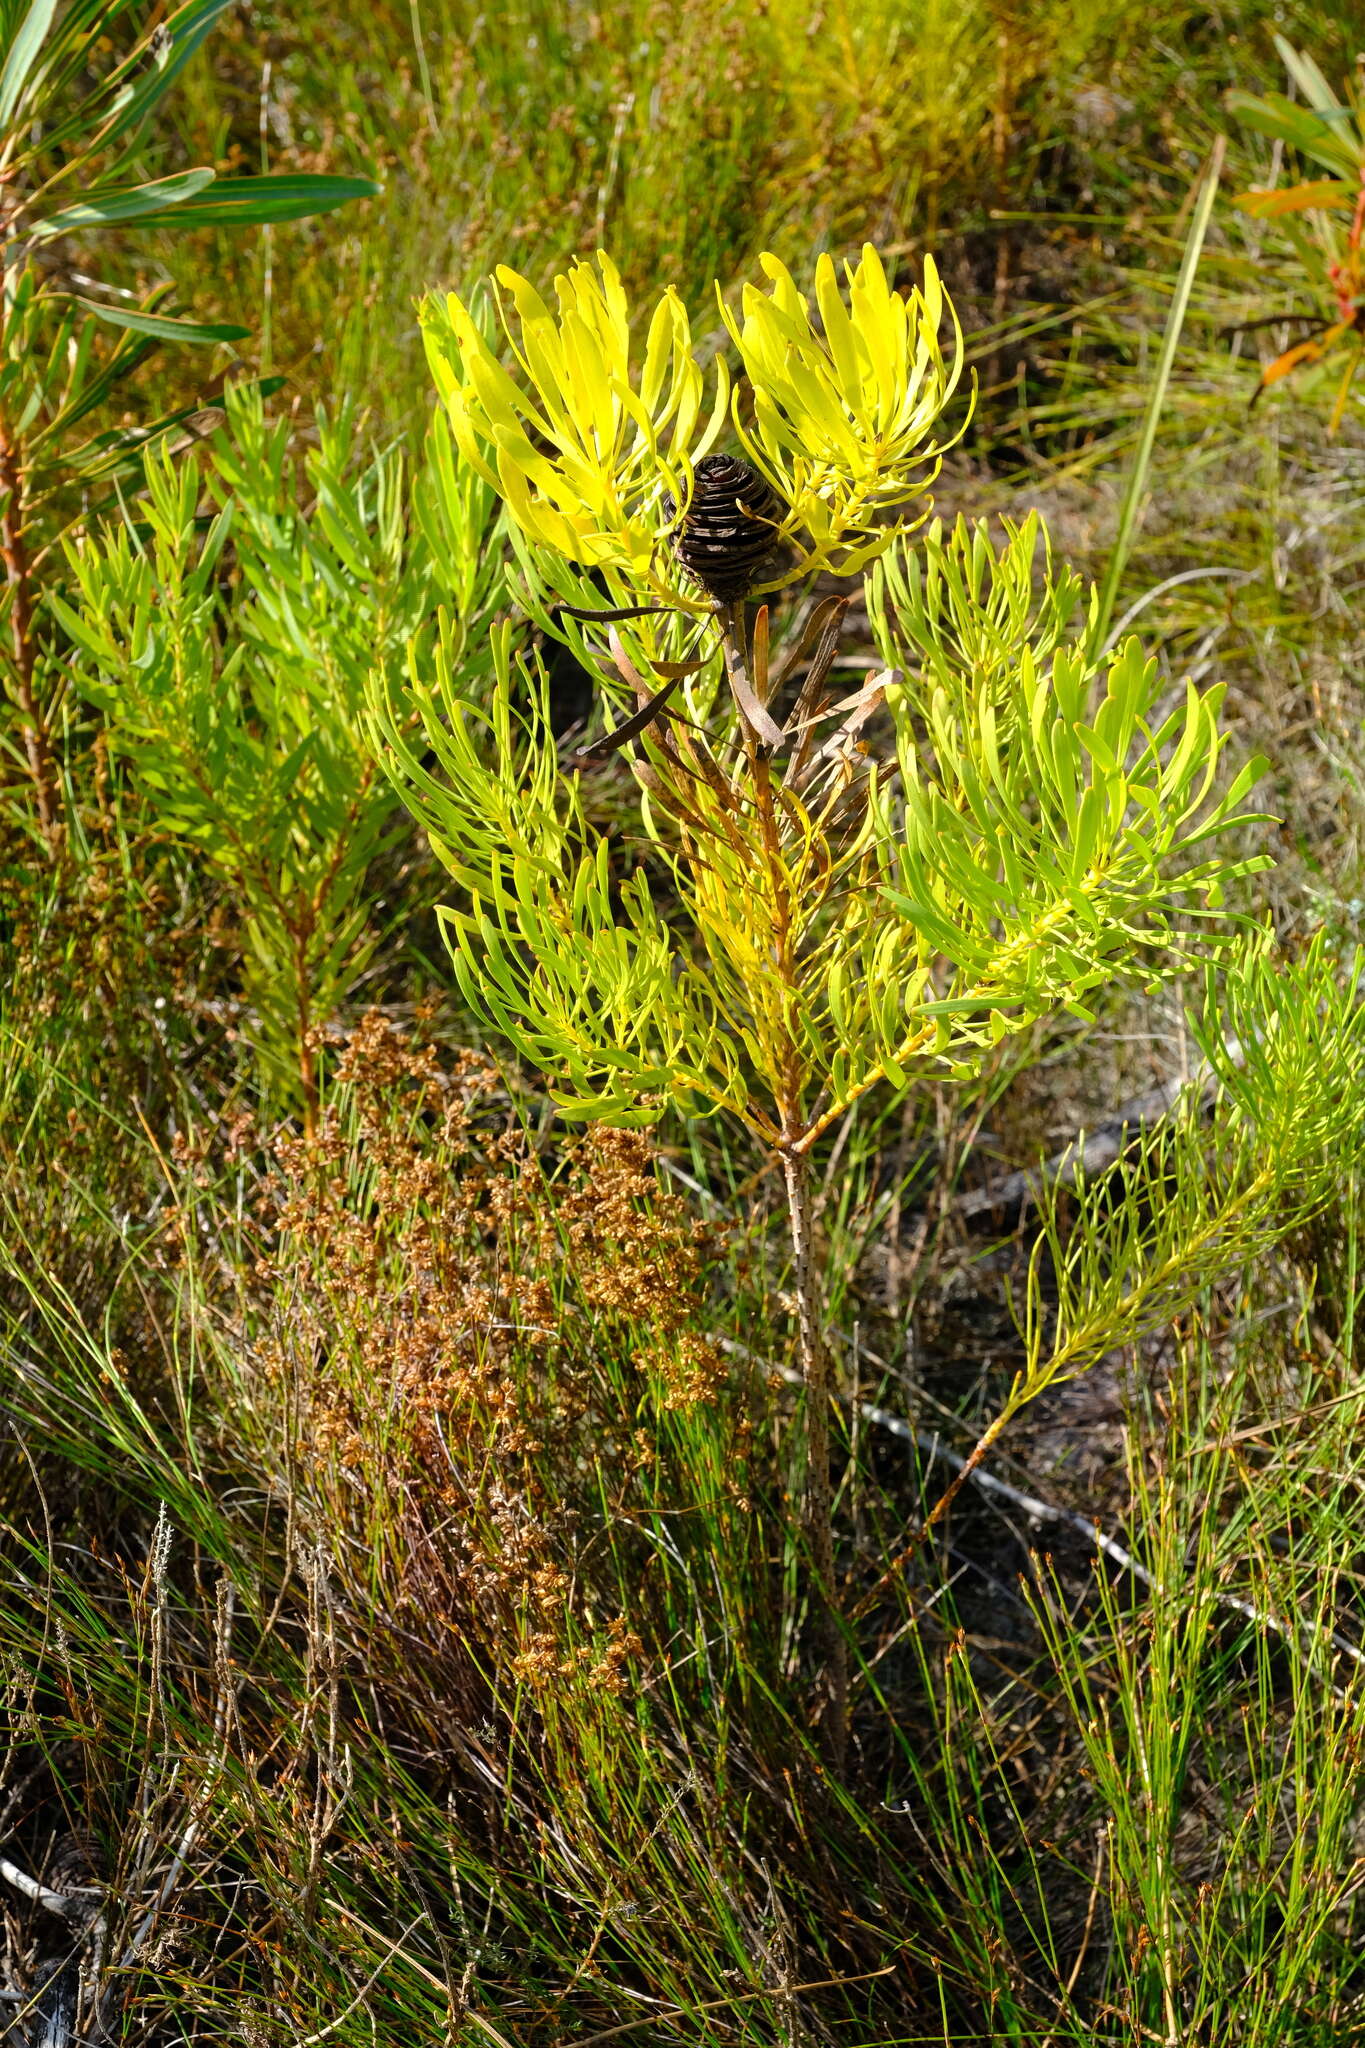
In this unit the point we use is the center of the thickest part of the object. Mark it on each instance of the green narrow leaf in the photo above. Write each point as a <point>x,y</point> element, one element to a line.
<point>187,201</point>
<point>1284,121</point>
<point>120,203</point>
<point>1135,489</point>
<point>165,328</point>
<point>1309,79</point>
<point>253,202</point>
<point>180,38</point>
<point>28,41</point>
<point>103,454</point>
<point>1245,780</point>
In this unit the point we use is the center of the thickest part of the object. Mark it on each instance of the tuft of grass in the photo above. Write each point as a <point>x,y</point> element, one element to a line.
<point>410,1657</point>
<point>686,138</point>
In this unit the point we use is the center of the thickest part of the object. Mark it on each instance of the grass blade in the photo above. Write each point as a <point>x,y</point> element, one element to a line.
<point>1130,512</point>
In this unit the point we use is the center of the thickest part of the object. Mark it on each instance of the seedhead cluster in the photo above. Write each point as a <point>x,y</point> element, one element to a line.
<point>448,1316</point>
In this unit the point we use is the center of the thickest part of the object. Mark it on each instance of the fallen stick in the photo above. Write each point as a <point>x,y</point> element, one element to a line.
<point>1103,1148</point>
<point>72,1905</point>
<point>1041,1512</point>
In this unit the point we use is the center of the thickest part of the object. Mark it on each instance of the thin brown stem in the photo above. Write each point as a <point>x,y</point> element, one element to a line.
<point>1001,125</point>
<point>965,1471</point>
<point>23,641</point>
<point>818,1510</point>
<point>746,662</point>
<point>308,1072</point>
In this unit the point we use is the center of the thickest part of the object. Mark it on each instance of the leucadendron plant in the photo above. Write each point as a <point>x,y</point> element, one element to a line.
<point>837,893</point>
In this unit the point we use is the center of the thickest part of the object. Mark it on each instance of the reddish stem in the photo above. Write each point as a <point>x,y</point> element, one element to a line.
<point>24,651</point>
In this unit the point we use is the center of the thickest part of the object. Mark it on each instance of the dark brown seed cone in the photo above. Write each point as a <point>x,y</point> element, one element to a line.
<point>728,535</point>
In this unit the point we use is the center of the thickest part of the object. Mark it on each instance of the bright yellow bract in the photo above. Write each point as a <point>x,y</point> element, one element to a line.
<point>584,451</point>
<point>844,420</point>
<point>584,441</point>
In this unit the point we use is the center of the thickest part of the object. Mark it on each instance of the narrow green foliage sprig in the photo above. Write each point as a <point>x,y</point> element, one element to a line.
<point>575,963</point>
<point>1206,1195</point>
<point>79,85</point>
<point>250,745</point>
<point>953,607</point>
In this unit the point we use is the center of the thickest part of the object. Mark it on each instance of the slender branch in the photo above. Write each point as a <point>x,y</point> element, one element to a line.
<point>916,1041</point>
<point>303,994</point>
<point>819,1497</point>
<point>966,1469</point>
<point>1041,1512</point>
<point>1119,1323</point>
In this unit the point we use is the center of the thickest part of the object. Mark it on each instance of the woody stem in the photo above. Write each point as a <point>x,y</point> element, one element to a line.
<point>827,1646</point>
<point>827,1635</point>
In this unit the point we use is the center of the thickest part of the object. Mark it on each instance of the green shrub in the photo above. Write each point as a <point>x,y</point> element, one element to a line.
<point>229,655</point>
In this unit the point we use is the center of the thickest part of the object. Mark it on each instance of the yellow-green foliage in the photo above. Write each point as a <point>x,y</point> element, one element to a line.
<point>844,420</point>
<point>229,660</point>
<point>1014,848</point>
